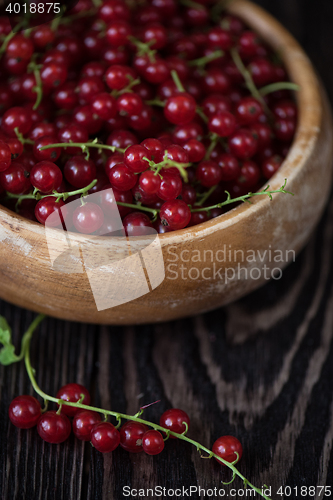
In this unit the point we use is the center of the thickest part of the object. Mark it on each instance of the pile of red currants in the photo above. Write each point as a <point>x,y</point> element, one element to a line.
<point>169,102</point>
<point>25,412</point>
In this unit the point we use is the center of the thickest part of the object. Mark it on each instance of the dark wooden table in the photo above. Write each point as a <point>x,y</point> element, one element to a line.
<point>261,369</point>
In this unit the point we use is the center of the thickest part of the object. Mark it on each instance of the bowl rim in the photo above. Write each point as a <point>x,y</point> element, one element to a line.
<point>301,72</point>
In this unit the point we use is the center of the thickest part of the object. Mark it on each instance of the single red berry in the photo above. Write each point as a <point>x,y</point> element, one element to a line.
<point>155,34</point>
<point>73,393</point>
<point>46,176</point>
<point>73,133</point>
<point>209,173</point>
<point>222,124</point>
<point>180,109</point>
<point>150,182</point>
<point>129,103</point>
<point>137,224</point>
<point>88,218</point>
<point>198,218</point>
<point>122,177</point>
<point>173,420</point>
<point>54,428</point>
<point>219,38</point>
<point>189,194</point>
<point>229,165</point>
<point>117,76</point>
<point>20,46</point>
<point>24,412</point>
<point>16,117</point>
<point>175,214</point>
<point>285,109</point>
<point>88,87</point>
<point>48,206</point>
<point>53,74</point>
<point>285,129</point>
<point>131,435</point>
<point>248,110</point>
<point>271,165</point>
<point>152,442</point>
<point>136,157</point>
<point>226,447</point>
<point>170,187</point>
<point>14,178</point>
<point>51,154</point>
<point>117,33</point>
<point>155,148</point>
<point>5,156</point>
<point>79,171</point>
<point>83,422</point>
<point>105,437</point>
<point>249,175</point>
<point>121,139</point>
<point>195,150</point>
<point>243,144</point>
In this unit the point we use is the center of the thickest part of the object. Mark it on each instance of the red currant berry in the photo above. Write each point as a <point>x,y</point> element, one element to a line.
<point>79,172</point>
<point>105,437</point>
<point>222,124</point>
<point>248,110</point>
<point>88,218</point>
<point>131,435</point>
<point>45,208</point>
<point>243,144</point>
<point>5,156</point>
<point>129,103</point>
<point>209,173</point>
<point>134,158</point>
<point>121,177</point>
<point>24,412</point>
<point>225,447</point>
<point>173,421</point>
<point>13,118</point>
<point>14,178</point>
<point>117,76</point>
<point>150,182</point>
<point>285,129</point>
<point>170,187</point>
<point>20,47</point>
<point>73,133</point>
<point>230,168</point>
<point>175,214</point>
<point>180,109</point>
<point>73,393</point>
<point>54,428</point>
<point>53,74</point>
<point>83,422</point>
<point>118,33</point>
<point>188,194</point>
<point>136,224</point>
<point>51,154</point>
<point>152,442</point>
<point>45,176</point>
<point>271,165</point>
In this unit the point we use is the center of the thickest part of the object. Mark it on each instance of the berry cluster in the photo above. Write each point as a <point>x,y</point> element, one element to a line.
<point>172,104</point>
<point>73,401</point>
<point>55,427</point>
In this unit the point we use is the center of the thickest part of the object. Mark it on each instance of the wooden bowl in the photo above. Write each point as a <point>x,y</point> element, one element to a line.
<point>272,232</point>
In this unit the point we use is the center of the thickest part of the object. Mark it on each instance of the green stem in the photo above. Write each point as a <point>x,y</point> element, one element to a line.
<point>177,81</point>
<point>205,197</point>
<point>10,36</point>
<point>153,211</point>
<point>202,61</point>
<point>247,76</point>
<point>83,146</point>
<point>273,87</point>
<point>26,342</point>
<point>38,88</point>
<point>245,197</point>
<point>155,102</point>
<point>144,48</point>
<point>37,196</point>
<point>212,146</point>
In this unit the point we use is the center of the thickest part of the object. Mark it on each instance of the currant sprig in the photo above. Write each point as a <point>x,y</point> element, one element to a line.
<point>66,407</point>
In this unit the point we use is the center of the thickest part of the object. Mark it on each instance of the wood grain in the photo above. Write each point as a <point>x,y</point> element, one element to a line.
<point>261,368</point>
